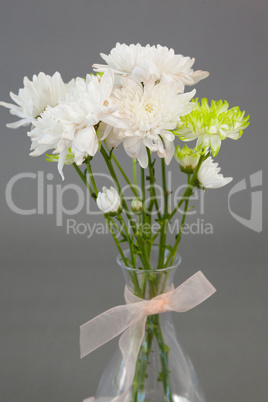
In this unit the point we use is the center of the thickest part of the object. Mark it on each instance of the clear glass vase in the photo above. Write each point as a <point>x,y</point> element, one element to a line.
<point>164,372</point>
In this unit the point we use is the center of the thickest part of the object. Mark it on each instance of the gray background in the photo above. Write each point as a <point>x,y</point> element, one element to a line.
<point>52,282</point>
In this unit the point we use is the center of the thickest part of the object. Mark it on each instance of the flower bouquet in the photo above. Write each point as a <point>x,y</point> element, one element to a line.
<point>136,99</point>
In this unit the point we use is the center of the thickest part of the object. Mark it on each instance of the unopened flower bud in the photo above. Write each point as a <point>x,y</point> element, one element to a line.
<point>187,158</point>
<point>136,206</point>
<point>109,201</point>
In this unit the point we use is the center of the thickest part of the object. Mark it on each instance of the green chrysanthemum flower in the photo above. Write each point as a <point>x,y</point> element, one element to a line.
<point>187,158</point>
<point>209,125</point>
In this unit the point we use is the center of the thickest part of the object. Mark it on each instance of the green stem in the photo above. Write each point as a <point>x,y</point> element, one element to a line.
<point>108,220</point>
<point>143,255</point>
<point>110,226</point>
<point>143,195</point>
<point>187,193</point>
<point>164,358</point>
<point>91,176</point>
<point>185,199</point>
<point>190,186</point>
<point>163,235</point>
<point>84,178</point>
<point>117,227</point>
<point>144,355</point>
<point>138,387</point>
<point>154,291</point>
<point>152,324</point>
<point>152,187</point>
<point>134,171</point>
<point>118,188</point>
<point>133,187</point>
<point>129,240</point>
<point>173,251</point>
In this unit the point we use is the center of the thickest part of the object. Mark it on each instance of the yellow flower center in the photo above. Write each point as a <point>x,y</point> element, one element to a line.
<point>148,108</point>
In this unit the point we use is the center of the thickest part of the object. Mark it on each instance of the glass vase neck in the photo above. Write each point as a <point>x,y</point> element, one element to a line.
<point>148,283</point>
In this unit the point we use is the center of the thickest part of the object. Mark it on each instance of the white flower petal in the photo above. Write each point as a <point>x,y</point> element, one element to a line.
<point>170,150</point>
<point>36,95</point>
<point>61,161</point>
<point>70,124</point>
<point>132,146</point>
<point>209,176</point>
<point>113,139</point>
<point>150,111</point>
<point>109,200</point>
<point>151,64</point>
<point>103,131</point>
<point>199,75</point>
<point>215,144</point>
<point>143,157</point>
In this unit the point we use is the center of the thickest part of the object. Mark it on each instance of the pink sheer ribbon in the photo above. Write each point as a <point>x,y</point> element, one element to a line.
<point>129,320</point>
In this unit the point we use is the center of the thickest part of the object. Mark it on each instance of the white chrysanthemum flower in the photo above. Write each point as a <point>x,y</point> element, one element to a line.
<point>44,90</point>
<point>70,126</point>
<point>209,177</point>
<point>109,201</point>
<point>146,114</point>
<point>151,64</point>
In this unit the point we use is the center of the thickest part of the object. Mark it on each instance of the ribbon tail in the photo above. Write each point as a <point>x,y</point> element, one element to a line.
<point>130,344</point>
<point>106,326</point>
<point>191,293</point>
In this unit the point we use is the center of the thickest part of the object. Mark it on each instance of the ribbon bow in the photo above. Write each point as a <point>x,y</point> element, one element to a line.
<point>130,319</point>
